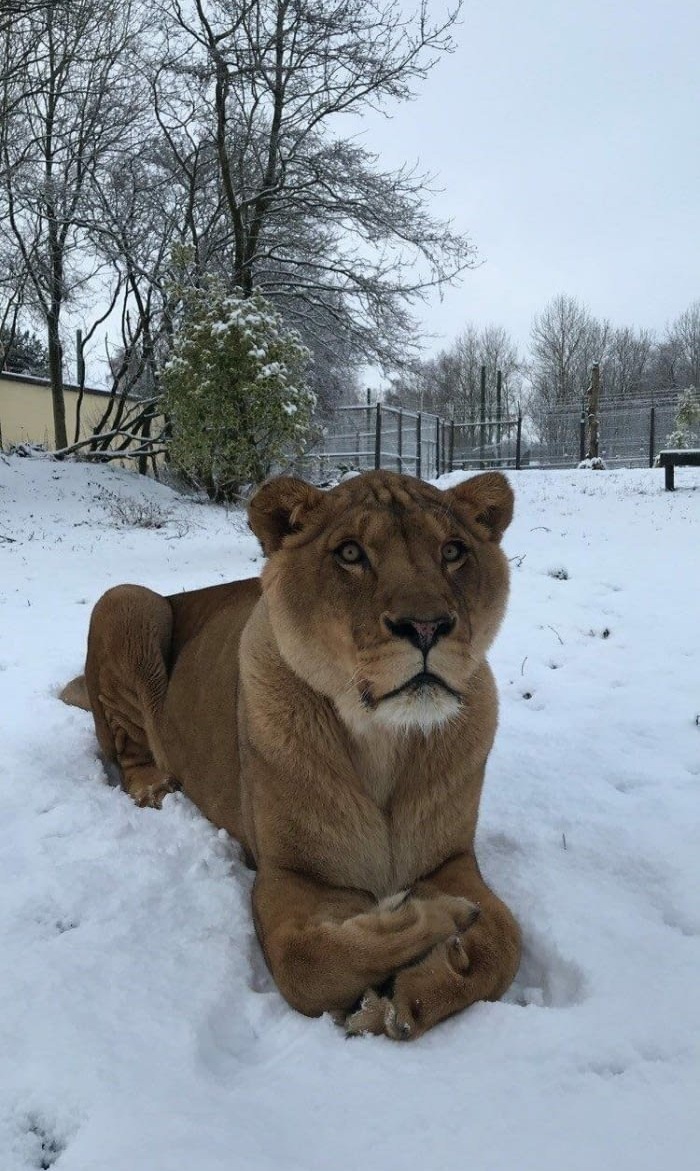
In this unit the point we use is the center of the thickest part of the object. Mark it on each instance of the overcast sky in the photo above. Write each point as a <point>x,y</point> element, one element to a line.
<point>565,136</point>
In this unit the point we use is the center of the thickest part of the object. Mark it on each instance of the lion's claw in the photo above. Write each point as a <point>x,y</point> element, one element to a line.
<point>456,955</point>
<point>370,1017</point>
<point>419,996</point>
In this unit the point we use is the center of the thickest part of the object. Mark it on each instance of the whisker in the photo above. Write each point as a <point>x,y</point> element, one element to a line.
<point>353,680</point>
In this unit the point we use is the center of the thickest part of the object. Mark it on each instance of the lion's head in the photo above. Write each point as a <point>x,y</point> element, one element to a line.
<point>385,593</point>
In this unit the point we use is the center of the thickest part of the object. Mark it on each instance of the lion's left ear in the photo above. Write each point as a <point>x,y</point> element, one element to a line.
<point>488,502</point>
<point>279,508</point>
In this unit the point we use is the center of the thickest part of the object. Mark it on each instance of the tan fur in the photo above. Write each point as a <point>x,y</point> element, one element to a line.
<point>280,706</point>
<point>75,693</point>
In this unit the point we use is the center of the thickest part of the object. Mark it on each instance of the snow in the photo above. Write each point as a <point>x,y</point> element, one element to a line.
<point>140,1030</point>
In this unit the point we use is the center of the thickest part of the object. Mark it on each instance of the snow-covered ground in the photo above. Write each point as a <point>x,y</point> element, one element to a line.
<point>139,1029</point>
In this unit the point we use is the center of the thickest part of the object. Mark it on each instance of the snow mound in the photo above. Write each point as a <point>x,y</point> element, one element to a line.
<point>140,1028</point>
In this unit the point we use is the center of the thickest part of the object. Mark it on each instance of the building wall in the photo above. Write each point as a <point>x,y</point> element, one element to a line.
<point>26,412</point>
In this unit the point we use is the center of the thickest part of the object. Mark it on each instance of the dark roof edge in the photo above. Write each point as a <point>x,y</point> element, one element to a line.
<point>35,380</point>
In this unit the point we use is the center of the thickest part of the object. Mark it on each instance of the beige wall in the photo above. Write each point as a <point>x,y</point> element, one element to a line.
<point>26,414</point>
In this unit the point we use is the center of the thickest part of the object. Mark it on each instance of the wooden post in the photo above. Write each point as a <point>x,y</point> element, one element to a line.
<point>399,457</point>
<point>145,434</point>
<point>482,427</point>
<point>79,357</point>
<point>582,434</point>
<point>419,453</point>
<point>378,437</point>
<point>80,370</point>
<point>593,399</point>
<point>652,438</point>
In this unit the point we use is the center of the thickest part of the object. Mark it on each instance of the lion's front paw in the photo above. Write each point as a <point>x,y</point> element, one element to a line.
<point>421,996</point>
<point>377,1015</point>
<point>433,989</point>
<point>430,920</point>
<point>455,913</point>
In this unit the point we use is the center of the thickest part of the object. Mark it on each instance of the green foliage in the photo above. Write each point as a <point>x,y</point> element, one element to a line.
<point>235,392</point>
<point>687,419</point>
<point>23,353</point>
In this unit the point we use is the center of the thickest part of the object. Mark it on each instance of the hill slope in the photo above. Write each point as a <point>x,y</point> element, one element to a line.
<point>140,1030</point>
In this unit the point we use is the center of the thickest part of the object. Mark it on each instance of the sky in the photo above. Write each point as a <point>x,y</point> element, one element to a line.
<point>566,140</point>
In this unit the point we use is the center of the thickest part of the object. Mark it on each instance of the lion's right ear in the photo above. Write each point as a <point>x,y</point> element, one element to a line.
<point>487,501</point>
<point>280,508</point>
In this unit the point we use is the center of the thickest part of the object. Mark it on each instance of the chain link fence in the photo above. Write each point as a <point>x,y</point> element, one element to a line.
<point>631,432</point>
<point>358,438</point>
<point>417,443</point>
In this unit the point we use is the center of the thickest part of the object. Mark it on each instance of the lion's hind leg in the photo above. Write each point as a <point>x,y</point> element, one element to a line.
<point>127,678</point>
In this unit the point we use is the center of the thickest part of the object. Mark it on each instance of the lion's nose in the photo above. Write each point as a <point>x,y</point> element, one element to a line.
<point>421,632</point>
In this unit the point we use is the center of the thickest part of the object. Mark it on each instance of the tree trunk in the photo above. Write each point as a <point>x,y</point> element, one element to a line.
<point>56,378</point>
<point>593,399</point>
<point>145,434</point>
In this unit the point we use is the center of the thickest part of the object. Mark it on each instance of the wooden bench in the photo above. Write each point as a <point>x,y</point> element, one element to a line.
<point>675,457</point>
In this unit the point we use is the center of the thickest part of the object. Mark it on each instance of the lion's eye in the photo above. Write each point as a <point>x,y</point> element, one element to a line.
<point>453,551</point>
<point>350,553</point>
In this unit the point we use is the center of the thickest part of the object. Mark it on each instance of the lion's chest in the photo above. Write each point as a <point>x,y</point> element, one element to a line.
<point>363,846</point>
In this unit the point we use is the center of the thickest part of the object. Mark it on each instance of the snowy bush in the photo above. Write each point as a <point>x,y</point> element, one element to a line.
<point>235,392</point>
<point>687,419</point>
<point>140,513</point>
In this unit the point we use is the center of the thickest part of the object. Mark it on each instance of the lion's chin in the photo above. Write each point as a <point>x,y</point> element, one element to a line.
<point>424,707</point>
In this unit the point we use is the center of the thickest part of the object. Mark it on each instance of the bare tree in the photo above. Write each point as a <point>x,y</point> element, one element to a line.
<point>683,342</point>
<point>259,86</point>
<point>565,341</point>
<point>627,370</point>
<point>450,384</point>
<point>136,231</point>
<point>69,109</point>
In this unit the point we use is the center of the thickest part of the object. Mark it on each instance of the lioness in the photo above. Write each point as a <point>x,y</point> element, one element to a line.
<point>335,717</point>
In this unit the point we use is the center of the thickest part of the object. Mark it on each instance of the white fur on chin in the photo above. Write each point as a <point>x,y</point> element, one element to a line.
<point>424,709</point>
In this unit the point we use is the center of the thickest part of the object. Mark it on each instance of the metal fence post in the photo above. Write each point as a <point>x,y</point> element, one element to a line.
<point>437,446</point>
<point>378,437</point>
<point>419,453</point>
<point>452,445</point>
<point>518,443</point>
<point>482,425</point>
<point>652,438</point>
<point>399,456</point>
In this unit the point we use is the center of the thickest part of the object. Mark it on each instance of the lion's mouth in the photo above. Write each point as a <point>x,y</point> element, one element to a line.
<point>422,682</point>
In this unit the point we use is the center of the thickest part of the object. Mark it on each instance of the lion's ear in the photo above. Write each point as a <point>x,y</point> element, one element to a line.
<point>279,508</point>
<point>488,503</point>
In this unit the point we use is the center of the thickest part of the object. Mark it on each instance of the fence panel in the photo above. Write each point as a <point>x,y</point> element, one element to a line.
<point>358,438</point>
